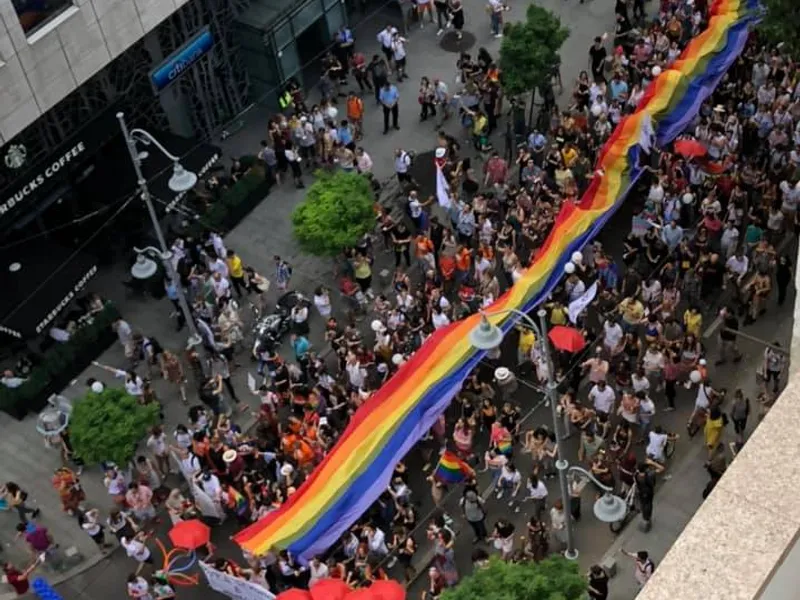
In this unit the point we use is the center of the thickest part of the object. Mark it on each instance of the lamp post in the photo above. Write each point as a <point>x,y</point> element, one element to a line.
<point>488,337</point>
<point>181,181</point>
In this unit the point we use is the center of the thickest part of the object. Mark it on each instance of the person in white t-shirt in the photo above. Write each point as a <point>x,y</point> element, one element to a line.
<point>612,337</point>
<point>537,493</point>
<point>138,588</point>
<point>602,396</point>
<point>510,480</point>
<point>137,550</point>
<point>318,570</point>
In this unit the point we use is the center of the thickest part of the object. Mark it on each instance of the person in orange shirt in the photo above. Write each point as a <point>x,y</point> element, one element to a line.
<point>423,250</point>
<point>303,454</point>
<point>355,114</point>
<point>463,263</point>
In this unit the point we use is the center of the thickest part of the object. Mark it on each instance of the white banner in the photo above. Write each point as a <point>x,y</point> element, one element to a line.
<point>442,188</point>
<point>577,306</point>
<point>233,587</point>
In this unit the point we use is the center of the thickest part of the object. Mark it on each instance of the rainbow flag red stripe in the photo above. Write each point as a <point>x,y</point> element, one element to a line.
<point>359,467</point>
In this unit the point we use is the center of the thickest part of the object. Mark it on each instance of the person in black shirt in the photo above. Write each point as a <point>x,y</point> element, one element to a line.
<point>727,337</point>
<point>597,59</point>
<point>645,490</point>
<point>598,583</point>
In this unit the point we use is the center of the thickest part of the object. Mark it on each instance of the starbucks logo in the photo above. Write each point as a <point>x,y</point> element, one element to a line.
<point>16,155</point>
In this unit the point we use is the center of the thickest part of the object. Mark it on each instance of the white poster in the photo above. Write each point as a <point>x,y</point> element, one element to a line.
<point>233,587</point>
<point>577,306</point>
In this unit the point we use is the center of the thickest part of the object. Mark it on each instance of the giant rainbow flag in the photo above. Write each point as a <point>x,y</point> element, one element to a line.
<point>359,467</point>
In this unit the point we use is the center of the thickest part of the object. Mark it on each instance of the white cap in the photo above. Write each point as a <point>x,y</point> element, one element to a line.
<point>656,71</point>
<point>440,152</point>
<point>502,373</point>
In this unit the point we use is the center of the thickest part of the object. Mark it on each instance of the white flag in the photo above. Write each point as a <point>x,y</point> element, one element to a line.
<point>442,188</point>
<point>577,306</point>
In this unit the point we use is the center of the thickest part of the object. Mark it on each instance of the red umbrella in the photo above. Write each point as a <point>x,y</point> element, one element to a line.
<point>190,534</point>
<point>567,339</point>
<point>294,594</point>
<point>362,594</point>
<point>329,589</point>
<point>690,148</point>
<point>388,589</point>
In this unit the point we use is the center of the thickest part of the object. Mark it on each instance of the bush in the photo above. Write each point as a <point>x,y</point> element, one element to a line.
<point>337,212</point>
<point>236,202</point>
<point>555,578</point>
<point>109,425</point>
<point>529,54</point>
<point>60,365</point>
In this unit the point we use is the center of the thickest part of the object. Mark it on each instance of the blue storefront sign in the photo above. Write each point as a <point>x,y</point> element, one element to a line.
<point>181,60</point>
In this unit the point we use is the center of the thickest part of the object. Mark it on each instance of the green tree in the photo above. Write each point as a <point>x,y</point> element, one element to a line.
<point>529,54</point>
<point>109,425</point>
<point>555,578</point>
<point>781,24</point>
<point>337,212</point>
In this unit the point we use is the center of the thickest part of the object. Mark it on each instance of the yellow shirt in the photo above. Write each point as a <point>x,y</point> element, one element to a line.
<point>526,340</point>
<point>558,316</point>
<point>479,125</point>
<point>632,310</point>
<point>235,267</point>
<point>570,155</point>
<point>362,270</point>
<point>693,323</point>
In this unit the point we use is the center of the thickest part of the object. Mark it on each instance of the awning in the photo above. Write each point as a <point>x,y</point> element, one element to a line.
<point>39,280</point>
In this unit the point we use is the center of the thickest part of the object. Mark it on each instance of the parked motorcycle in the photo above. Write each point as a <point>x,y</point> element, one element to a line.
<point>268,330</point>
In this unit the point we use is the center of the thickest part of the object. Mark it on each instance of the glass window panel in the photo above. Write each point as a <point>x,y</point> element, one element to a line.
<point>335,18</point>
<point>307,15</point>
<point>289,61</point>
<point>33,14</point>
<point>283,34</point>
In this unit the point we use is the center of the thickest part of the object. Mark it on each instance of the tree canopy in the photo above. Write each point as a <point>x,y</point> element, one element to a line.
<point>109,425</point>
<point>554,578</point>
<point>337,212</point>
<point>781,25</point>
<point>529,54</point>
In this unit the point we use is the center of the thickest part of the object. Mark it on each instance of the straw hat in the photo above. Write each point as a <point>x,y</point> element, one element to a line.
<point>229,456</point>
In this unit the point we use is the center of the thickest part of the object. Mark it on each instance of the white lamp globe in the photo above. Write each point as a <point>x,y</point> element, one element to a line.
<point>576,258</point>
<point>569,268</point>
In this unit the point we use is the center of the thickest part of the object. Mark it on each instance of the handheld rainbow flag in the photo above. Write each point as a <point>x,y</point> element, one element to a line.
<point>452,470</point>
<point>504,447</point>
<point>359,467</point>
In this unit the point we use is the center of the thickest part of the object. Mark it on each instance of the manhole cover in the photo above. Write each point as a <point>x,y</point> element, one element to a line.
<point>451,43</point>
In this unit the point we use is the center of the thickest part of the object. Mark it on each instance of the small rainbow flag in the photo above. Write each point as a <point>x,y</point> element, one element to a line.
<point>505,447</point>
<point>452,469</point>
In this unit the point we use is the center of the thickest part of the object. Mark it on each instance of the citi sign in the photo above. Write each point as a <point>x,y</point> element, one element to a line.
<point>181,60</point>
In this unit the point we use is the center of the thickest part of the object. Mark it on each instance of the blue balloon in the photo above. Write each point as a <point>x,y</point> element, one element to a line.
<point>44,590</point>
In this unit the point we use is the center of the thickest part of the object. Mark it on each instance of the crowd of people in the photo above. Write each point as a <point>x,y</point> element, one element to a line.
<point>704,222</point>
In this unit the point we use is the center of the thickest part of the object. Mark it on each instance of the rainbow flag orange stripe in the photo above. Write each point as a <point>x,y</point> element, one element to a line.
<point>359,467</point>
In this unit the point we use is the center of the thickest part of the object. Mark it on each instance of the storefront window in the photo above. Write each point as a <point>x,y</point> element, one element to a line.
<point>33,14</point>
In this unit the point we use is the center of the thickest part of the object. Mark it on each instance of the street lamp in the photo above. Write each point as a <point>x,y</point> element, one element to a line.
<point>487,336</point>
<point>181,181</point>
<point>145,268</point>
<point>609,508</point>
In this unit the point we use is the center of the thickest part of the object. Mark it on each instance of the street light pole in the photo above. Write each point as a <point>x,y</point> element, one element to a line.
<point>494,336</point>
<point>562,464</point>
<point>166,255</point>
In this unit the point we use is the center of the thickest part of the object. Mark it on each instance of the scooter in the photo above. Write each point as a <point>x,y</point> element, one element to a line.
<point>268,331</point>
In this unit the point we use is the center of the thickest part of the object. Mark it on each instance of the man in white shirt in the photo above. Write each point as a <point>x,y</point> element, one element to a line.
<point>222,287</point>
<point>318,570</point>
<point>376,541</point>
<point>218,266</point>
<point>402,162</point>
<point>612,336</point>
<point>603,397</point>
<point>656,446</point>
<point>385,37</point>
<point>537,493</point>
<point>737,267</point>
<point>136,549</point>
